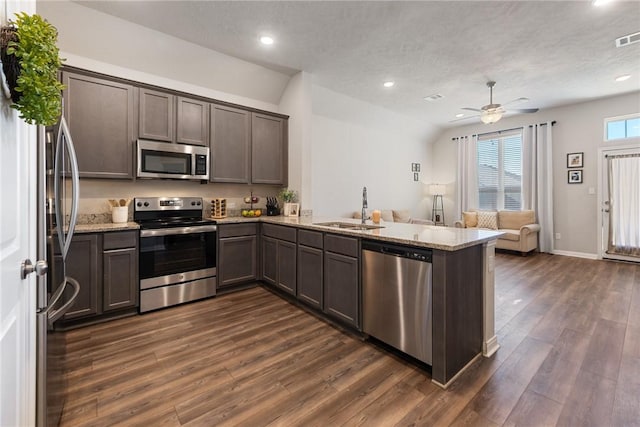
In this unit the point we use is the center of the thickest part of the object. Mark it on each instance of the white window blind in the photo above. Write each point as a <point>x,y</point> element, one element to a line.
<point>500,171</point>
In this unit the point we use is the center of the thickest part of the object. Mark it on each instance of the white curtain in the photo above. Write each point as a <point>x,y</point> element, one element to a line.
<point>624,204</point>
<point>467,176</point>
<point>537,179</point>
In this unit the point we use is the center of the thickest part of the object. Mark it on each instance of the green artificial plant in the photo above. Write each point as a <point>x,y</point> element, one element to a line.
<point>36,90</point>
<point>288,196</point>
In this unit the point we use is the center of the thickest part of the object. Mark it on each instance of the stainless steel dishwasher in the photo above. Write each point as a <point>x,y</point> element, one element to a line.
<point>397,297</point>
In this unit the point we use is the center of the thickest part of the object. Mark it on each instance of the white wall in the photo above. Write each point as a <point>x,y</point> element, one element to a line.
<point>296,102</point>
<point>139,53</point>
<point>356,144</point>
<point>579,128</point>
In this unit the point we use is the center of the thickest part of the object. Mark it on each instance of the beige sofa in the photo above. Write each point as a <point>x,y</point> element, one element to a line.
<point>521,231</point>
<point>389,215</point>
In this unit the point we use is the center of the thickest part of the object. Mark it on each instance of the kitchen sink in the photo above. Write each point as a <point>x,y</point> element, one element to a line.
<point>349,225</point>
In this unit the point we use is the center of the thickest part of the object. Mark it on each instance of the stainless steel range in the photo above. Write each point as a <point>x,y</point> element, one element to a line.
<point>177,261</point>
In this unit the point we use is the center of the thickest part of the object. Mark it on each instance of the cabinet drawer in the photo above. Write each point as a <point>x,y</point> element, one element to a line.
<point>279,232</point>
<point>236,230</point>
<point>120,240</point>
<point>310,238</point>
<point>341,245</point>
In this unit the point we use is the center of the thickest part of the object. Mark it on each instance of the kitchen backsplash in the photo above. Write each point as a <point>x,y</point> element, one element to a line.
<point>94,207</point>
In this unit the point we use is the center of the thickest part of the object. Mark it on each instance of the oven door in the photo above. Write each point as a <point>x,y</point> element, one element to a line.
<point>177,254</point>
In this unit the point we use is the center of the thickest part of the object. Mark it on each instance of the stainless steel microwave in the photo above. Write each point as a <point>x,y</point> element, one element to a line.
<point>175,161</point>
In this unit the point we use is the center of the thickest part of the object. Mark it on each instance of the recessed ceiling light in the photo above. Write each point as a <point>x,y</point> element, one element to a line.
<point>266,40</point>
<point>623,77</point>
<point>388,84</point>
<point>600,2</point>
<point>460,115</point>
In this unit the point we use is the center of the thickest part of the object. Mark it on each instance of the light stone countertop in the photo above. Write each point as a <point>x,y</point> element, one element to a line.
<point>427,236</point>
<point>104,227</point>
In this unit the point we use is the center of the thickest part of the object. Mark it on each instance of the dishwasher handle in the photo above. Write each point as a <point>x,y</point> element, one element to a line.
<point>418,254</point>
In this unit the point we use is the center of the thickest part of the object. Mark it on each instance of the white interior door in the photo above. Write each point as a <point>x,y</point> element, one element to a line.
<point>630,190</point>
<point>17,242</point>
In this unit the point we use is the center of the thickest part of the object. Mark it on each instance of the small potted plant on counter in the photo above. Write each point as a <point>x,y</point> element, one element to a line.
<point>30,62</point>
<point>289,197</point>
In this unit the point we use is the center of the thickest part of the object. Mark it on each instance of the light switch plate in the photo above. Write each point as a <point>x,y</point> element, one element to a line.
<point>592,190</point>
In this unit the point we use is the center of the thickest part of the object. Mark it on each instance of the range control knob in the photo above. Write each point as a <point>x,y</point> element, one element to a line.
<point>146,204</point>
<point>199,203</point>
<point>193,203</point>
<point>139,204</point>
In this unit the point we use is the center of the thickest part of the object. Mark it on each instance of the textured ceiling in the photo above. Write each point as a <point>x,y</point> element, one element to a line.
<point>552,52</point>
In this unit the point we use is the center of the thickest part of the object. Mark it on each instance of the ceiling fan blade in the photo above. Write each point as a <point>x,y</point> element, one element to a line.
<point>471,109</point>
<point>523,110</point>
<point>464,118</point>
<point>516,101</point>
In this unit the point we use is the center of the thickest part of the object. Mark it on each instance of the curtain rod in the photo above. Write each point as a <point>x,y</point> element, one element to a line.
<point>621,156</point>
<point>505,130</point>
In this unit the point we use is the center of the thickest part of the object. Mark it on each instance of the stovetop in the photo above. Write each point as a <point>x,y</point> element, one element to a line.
<point>167,212</point>
<point>173,222</point>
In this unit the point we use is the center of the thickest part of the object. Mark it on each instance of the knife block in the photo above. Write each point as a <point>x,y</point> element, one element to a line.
<point>219,208</point>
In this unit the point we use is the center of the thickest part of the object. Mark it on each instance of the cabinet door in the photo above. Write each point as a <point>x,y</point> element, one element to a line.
<point>230,145</point>
<point>120,279</point>
<point>84,264</point>
<point>101,117</point>
<point>237,260</point>
<point>192,122</point>
<point>310,275</point>
<point>268,150</point>
<point>341,296</point>
<point>269,260</point>
<point>156,115</point>
<point>287,266</point>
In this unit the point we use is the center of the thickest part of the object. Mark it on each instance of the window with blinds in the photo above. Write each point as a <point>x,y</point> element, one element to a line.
<point>500,171</point>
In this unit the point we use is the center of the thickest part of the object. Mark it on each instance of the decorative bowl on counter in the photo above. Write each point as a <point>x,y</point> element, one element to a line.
<point>249,213</point>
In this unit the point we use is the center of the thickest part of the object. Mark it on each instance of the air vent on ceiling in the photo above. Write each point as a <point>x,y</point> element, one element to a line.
<point>433,97</point>
<point>628,39</point>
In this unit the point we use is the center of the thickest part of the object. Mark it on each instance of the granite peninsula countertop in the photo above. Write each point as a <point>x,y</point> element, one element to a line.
<point>427,236</point>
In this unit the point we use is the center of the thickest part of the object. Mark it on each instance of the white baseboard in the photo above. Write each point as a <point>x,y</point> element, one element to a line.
<point>490,347</point>
<point>575,254</point>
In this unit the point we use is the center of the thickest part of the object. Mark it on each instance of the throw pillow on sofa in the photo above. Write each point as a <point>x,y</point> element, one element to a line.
<point>470,219</point>
<point>513,220</point>
<point>488,220</point>
<point>401,216</point>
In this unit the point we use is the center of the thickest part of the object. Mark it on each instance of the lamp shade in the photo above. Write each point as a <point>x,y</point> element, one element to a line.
<point>436,189</point>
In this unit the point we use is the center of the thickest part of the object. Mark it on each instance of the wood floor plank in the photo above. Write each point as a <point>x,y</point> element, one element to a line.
<point>568,329</point>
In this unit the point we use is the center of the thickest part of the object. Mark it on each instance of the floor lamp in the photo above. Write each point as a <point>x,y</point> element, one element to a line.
<point>437,211</point>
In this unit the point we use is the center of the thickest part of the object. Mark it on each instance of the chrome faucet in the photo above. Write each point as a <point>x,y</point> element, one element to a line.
<point>364,203</point>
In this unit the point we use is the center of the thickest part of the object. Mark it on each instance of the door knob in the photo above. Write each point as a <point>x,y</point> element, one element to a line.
<point>40,268</point>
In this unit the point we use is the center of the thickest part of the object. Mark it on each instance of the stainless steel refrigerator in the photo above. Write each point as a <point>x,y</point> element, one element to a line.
<point>58,194</point>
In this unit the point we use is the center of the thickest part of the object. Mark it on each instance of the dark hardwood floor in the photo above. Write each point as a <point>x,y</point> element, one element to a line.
<point>568,328</point>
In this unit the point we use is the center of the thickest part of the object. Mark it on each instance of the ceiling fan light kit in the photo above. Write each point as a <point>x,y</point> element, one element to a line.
<point>491,112</point>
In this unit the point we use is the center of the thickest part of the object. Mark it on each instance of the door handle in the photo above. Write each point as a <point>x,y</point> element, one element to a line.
<point>40,268</point>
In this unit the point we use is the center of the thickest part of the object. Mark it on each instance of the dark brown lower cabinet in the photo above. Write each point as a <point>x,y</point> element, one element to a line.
<point>341,289</point>
<point>237,260</point>
<point>269,260</point>
<point>120,279</point>
<point>84,263</point>
<point>310,275</point>
<point>106,267</point>
<point>279,263</point>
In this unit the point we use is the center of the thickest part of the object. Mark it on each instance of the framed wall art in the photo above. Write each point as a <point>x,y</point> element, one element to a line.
<point>575,160</point>
<point>574,177</point>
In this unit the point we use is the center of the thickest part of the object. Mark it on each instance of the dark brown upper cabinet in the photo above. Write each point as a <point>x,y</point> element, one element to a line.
<point>230,145</point>
<point>101,115</point>
<point>192,123</point>
<point>268,150</point>
<point>170,118</point>
<point>156,115</point>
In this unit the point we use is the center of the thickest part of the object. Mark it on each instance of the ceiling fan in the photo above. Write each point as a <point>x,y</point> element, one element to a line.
<point>491,112</point>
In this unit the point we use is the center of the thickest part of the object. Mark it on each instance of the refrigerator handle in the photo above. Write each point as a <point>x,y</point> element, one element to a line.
<point>64,140</point>
<point>54,315</point>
